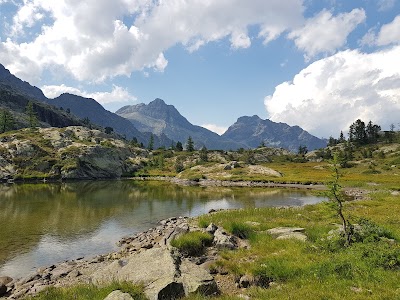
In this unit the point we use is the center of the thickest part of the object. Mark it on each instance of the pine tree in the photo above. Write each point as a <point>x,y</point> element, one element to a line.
<point>151,143</point>
<point>179,146</point>
<point>342,139</point>
<point>7,121</point>
<point>190,145</point>
<point>32,118</point>
<point>203,154</point>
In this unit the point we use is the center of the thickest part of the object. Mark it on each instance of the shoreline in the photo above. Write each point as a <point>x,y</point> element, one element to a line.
<point>66,272</point>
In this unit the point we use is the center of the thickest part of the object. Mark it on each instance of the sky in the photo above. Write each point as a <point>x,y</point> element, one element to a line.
<point>318,64</point>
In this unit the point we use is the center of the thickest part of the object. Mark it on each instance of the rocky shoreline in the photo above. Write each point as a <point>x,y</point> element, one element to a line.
<point>146,258</point>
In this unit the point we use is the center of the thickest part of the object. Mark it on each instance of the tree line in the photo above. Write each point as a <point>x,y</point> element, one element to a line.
<point>361,134</point>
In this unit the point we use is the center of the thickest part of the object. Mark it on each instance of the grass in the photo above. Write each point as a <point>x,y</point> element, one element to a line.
<point>192,243</point>
<point>319,268</point>
<point>89,292</point>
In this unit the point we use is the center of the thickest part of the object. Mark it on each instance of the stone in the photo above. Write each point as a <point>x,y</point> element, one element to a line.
<point>228,167</point>
<point>246,281</point>
<point>278,231</point>
<point>196,279</point>
<point>222,240</point>
<point>118,295</point>
<point>60,272</point>
<point>294,235</point>
<point>211,228</point>
<point>155,269</point>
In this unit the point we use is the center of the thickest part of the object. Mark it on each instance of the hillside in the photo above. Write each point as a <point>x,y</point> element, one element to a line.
<point>47,115</point>
<point>73,152</point>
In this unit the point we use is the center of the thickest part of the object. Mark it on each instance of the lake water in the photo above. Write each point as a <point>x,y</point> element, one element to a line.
<point>42,224</point>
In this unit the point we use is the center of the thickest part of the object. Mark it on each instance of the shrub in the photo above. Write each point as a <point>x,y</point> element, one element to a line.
<point>192,243</point>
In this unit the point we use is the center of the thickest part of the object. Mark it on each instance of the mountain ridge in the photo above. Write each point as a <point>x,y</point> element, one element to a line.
<point>161,118</point>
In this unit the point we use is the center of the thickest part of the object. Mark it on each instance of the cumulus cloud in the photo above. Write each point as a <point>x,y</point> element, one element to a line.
<point>326,33</point>
<point>98,39</point>
<point>389,33</point>
<point>333,92</point>
<point>215,128</point>
<point>118,94</point>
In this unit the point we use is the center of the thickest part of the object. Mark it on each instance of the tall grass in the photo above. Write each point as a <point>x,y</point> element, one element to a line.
<point>89,292</point>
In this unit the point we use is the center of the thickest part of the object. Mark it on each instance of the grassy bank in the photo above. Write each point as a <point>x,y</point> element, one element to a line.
<point>320,268</point>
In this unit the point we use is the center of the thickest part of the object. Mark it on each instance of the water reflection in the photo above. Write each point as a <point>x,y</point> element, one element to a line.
<point>46,223</point>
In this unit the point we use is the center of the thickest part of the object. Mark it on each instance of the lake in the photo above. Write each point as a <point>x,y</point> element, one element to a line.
<point>42,224</point>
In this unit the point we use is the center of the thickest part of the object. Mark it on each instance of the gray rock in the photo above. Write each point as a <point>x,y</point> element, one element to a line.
<point>246,281</point>
<point>278,231</point>
<point>211,228</point>
<point>294,235</point>
<point>197,280</point>
<point>118,295</point>
<point>284,233</point>
<point>222,240</point>
<point>154,268</point>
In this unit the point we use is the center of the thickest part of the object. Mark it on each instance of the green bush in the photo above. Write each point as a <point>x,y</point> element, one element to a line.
<point>192,243</point>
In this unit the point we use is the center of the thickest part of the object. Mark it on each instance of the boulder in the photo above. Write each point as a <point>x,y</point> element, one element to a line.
<point>211,228</point>
<point>155,269</point>
<point>222,240</point>
<point>196,280</point>
<point>283,233</point>
<point>118,295</point>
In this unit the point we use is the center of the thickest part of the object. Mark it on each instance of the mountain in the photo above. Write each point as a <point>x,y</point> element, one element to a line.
<point>48,116</point>
<point>160,118</point>
<point>80,107</point>
<point>252,131</point>
<point>22,87</point>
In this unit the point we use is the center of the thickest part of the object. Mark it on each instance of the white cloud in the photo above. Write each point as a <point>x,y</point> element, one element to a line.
<point>118,94</point>
<point>389,33</point>
<point>93,40</point>
<point>215,128</point>
<point>331,93</point>
<point>240,40</point>
<point>326,33</point>
<point>384,5</point>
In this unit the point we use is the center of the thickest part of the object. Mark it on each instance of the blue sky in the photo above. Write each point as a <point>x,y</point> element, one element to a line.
<point>319,64</point>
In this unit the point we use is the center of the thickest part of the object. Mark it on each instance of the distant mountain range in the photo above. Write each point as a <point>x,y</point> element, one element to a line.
<point>157,118</point>
<point>160,118</point>
<point>252,131</point>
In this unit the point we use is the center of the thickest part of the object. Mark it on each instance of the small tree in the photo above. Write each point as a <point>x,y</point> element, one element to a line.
<point>179,146</point>
<point>336,196</point>
<point>302,150</point>
<point>179,167</point>
<point>7,121</point>
<point>151,143</point>
<point>203,154</point>
<point>108,130</point>
<point>342,139</point>
<point>32,118</point>
<point>190,145</point>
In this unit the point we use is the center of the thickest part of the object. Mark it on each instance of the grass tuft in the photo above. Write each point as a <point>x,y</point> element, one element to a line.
<point>89,292</point>
<point>192,243</point>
